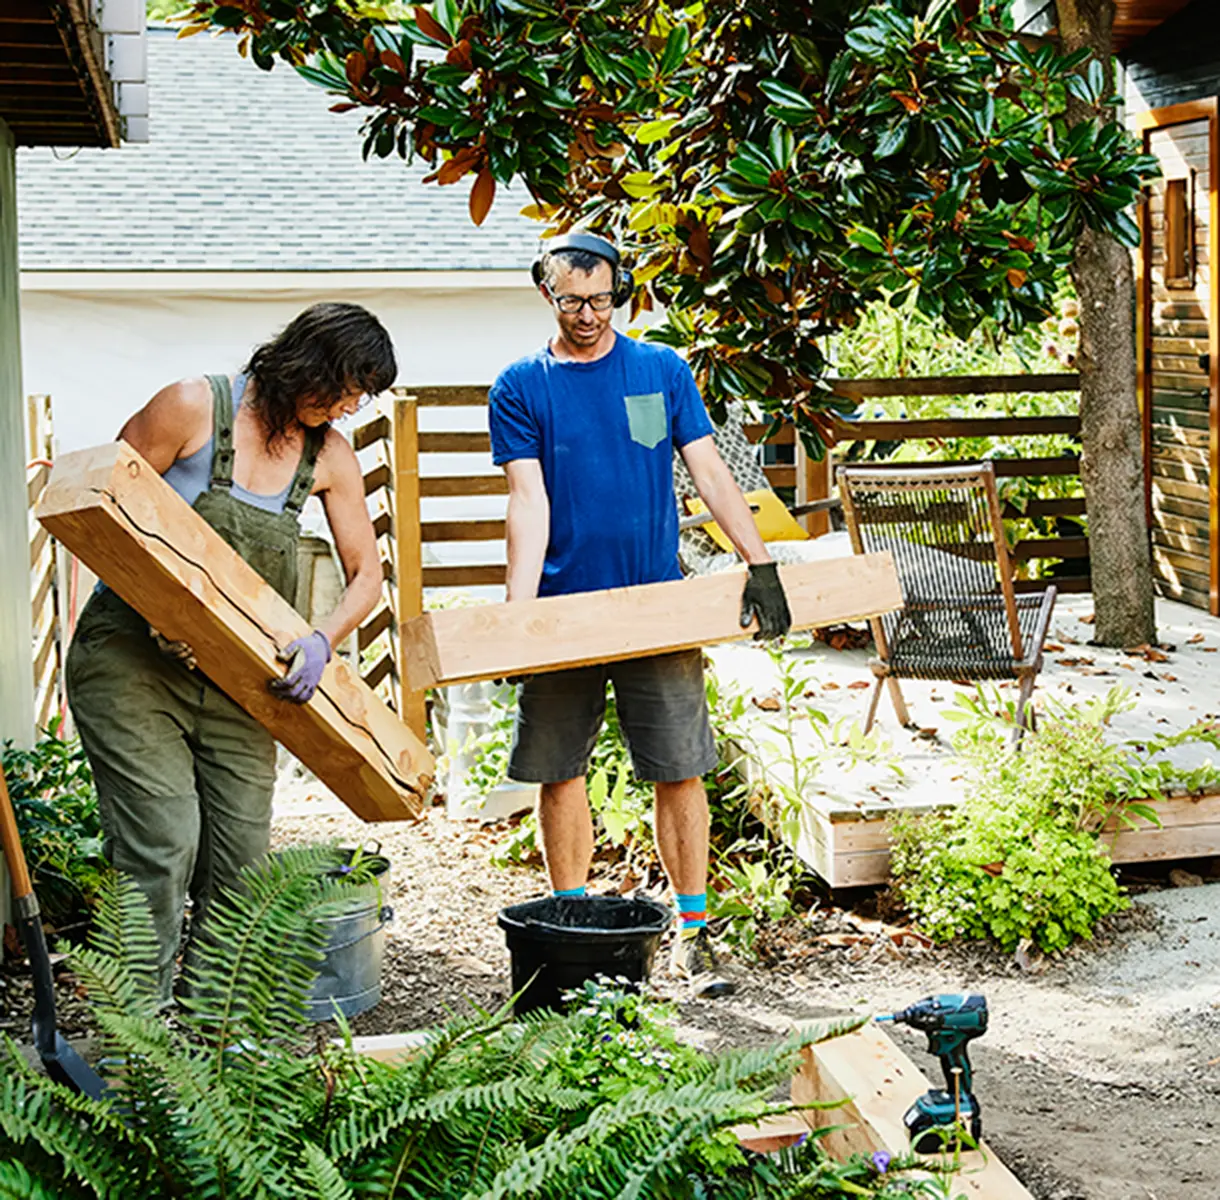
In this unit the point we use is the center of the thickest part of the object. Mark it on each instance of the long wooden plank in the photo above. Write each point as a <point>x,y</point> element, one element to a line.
<point>946,427</point>
<point>954,385</point>
<point>877,1083</point>
<point>463,485</point>
<point>111,509</point>
<point>470,441</point>
<point>550,634</point>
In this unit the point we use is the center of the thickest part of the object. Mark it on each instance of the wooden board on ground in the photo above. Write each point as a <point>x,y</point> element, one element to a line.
<point>112,509</point>
<point>556,632</point>
<point>879,1083</point>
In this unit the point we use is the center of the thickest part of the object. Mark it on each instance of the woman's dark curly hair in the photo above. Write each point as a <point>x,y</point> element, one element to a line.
<point>324,351</point>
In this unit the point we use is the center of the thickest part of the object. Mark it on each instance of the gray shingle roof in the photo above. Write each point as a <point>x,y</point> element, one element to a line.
<point>248,170</point>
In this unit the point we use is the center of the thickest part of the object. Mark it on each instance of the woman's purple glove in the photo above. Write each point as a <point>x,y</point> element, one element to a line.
<point>306,659</point>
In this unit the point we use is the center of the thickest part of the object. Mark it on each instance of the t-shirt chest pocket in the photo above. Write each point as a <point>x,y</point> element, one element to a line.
<point>647,419</point>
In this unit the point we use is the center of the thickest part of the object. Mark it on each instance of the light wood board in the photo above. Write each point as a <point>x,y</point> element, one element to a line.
<point>879,1083</point>
<point>112,509</point>
<point>557,632</point>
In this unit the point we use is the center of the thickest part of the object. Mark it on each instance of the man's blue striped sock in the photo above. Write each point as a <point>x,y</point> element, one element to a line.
<point>692,912</point>
<point>568,893</point>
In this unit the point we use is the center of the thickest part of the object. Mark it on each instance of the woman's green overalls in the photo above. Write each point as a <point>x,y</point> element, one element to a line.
<point>184,776</point>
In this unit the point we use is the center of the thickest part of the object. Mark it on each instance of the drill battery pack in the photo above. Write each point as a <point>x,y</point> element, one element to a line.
<point>933,1121</point>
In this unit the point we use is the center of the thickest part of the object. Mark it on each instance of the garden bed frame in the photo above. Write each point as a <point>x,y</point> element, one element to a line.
<point>849,846</point>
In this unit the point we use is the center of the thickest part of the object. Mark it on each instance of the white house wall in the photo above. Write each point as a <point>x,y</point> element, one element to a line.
<point>101,354</point>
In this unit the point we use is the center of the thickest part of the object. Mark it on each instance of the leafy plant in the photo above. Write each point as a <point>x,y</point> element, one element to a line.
<point>51,787</point>
<point>1023,854</point>
<point>603,1102</point>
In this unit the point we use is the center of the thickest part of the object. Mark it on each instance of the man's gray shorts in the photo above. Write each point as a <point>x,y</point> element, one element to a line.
<point>662,709</point>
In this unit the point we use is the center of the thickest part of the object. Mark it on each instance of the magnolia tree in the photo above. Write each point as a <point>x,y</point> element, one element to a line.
<point>772,166</point>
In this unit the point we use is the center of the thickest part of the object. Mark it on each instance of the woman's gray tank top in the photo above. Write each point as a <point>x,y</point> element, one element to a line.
<point>190,476</point>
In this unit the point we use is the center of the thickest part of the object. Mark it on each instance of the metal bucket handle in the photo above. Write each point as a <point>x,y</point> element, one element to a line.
<point>385,915</point>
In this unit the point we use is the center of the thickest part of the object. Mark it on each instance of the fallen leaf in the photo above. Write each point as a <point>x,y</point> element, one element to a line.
<point>858,684</point>
<point>831,686</point>
<point>1088,619</point>
<point>767,703</point>
<point>840,939</point>
<point>1208,649</point>
<point>1195,640</point>
<point>1053,647</point>
<point>994,869</point>
<point>1170,678</point>
<point>929,734</point>
<point>1074,662</point>
<point>1126,666</point>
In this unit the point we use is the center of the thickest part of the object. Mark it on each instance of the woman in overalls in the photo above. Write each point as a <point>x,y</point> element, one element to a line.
<point>184,776</point>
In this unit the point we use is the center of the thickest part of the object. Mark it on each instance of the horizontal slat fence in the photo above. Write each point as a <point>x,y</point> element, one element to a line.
<point>483,565</point>
<point>1073,548</point>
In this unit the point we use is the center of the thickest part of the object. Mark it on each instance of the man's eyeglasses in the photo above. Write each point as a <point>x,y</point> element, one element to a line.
<point>598,302</point>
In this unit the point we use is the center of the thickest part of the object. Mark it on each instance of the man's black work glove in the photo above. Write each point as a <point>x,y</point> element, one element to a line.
<point>764,598</point>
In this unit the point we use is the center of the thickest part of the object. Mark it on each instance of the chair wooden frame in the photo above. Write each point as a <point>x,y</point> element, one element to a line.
<point>1025,648</point>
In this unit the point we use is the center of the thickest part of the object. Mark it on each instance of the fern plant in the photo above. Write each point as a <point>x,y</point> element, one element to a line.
<point>228,1102</point>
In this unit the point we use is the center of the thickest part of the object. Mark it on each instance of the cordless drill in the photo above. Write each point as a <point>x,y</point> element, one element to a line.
<point>950,1021</point>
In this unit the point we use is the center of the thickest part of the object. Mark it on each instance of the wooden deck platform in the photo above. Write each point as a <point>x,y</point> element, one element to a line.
<point>844,810</point>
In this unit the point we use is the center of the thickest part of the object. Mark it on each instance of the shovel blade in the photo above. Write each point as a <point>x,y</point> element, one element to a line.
<point>64,1065</point>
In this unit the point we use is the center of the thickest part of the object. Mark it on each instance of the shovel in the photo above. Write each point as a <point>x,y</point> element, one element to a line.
<point>62,1063</point>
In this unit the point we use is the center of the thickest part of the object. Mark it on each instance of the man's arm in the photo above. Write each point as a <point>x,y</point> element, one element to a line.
<point>763,596</point>
<point>723,498</point>
<point>527,527</point>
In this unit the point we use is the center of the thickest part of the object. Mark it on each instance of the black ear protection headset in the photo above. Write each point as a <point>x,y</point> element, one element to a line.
<point>624,282</point>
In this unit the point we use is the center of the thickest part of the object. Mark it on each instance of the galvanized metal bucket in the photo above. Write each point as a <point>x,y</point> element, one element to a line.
<point>349,979</point>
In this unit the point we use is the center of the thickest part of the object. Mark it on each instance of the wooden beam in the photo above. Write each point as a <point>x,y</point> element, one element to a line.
<point>461,442</point>
<point>556,632</point>
<point>947,427</point>
<point>109,507</point>
<point>408,547</point>
<point>451,396</point>
<point>877,1083</point>
<point>954,385</point>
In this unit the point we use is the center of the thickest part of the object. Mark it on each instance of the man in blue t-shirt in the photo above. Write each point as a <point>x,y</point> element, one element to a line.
<point>585,429</point>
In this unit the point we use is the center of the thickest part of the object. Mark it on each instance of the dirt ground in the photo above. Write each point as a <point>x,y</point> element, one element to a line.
<point>1099,1075</point>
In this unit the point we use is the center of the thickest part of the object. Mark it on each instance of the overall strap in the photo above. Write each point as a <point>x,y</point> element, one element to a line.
<point>222,432</point>
<point>302,482</point>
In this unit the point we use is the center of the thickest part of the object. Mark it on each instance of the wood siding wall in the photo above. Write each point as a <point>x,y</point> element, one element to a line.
<point>1177,62</point>
<point>1178,391</point>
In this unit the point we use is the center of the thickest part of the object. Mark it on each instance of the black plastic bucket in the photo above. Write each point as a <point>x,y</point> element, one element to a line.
<point>560,942</point>
<point>349,977</point>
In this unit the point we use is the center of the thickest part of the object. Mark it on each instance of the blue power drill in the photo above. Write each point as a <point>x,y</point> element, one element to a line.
<point>950,1021</point>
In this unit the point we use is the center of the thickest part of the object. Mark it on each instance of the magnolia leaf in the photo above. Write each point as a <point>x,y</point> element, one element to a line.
<point>482,194</point>
<point>429,26</point>
<point>676,46</point>
<point>655,131</point>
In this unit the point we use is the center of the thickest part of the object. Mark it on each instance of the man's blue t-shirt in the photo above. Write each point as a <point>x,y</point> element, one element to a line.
<point>604,432</point>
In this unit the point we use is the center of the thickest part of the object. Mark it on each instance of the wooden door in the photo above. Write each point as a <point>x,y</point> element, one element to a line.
<point>1177,351</point>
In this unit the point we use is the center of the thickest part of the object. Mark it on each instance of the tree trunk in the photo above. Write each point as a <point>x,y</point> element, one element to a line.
<point>1112,461</point>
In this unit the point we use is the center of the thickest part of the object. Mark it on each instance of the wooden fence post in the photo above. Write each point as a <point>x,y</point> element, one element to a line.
<point>408,547</point>
<point>813,481</point>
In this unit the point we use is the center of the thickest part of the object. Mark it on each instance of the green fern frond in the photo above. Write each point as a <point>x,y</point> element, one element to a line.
<point>84,1138</point>
<point>119,968</point>
<point>16,1183</point>
<point>257,956</point>
<point>320,1179</point>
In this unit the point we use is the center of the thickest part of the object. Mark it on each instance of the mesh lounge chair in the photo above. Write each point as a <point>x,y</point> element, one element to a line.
<point>961,617</point>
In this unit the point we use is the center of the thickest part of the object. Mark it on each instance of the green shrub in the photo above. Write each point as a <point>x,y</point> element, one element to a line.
<point>603,1103</point>
<point>1023,856</point>
<point>55,802</point>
